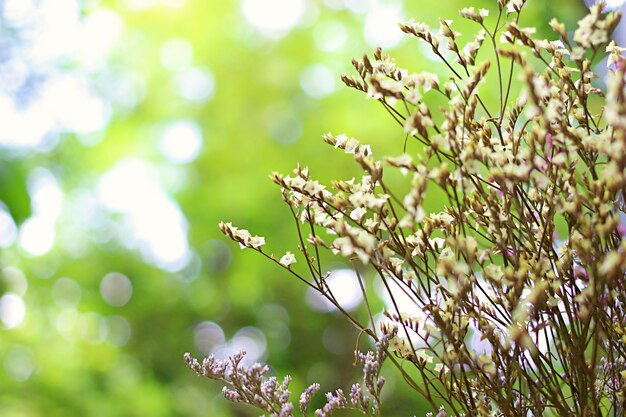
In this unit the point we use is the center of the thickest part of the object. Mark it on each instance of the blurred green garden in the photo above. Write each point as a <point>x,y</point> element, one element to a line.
<point>128,130</point>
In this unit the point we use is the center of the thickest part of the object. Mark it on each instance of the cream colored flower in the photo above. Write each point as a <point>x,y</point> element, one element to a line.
<point>287,259</point>
<point>257,241</point>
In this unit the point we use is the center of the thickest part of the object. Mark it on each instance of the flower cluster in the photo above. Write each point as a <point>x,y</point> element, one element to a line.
<point>242,236</point>
<point>249,385</point>
<point>519,276</point>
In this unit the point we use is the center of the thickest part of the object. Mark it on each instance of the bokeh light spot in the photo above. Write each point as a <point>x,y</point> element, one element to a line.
<point>398,297</point>
<point>46,194</point>
<point>381,25</point>
<point>17,12</point>
<point>285,127</point>
<point>317,81</point>
<point>66,292</point>
<point>19,363</point>
<point>614,4</point>
<point>14,280</point>
<point>208,336</point>
<point>194,84</point>
<point>274,18</point>
<point>82,110</point>
<point>116,289</point>
<point>92,328</point>
<point>358,6</point>
<point>37,236</point>
<point>250,340</point>
<point>334,4</point>
<point>153,222</point>
<point>66,323</point>
<point>138,5</point>
<point>126,91</point>
<point>119,330</point>
<point>247,339</point>
<point>98,33</point>
<point>330,36</point>
<point>344,284</point>
<point>181,141</point>
<point>176,54</point>
<point>12,310</point>
<point>51,50</point>
<point>8,229</point>
<point>610,4</point>
<point>13,75</point>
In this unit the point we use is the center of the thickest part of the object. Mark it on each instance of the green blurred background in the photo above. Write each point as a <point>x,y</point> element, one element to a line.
<point>128,130</point>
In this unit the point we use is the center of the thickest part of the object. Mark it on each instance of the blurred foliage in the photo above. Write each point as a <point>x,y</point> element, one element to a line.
<point>80,349</point>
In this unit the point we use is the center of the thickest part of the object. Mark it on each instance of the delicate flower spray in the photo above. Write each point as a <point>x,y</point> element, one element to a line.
<point>528,256</point>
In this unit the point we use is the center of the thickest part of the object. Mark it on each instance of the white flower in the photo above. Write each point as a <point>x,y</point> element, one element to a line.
<point>424,357</point>
<point>417,27</point>
<point>430,80</point>
<point>297,182</point>
<point>470,13</point>
<point>413,96</point>
<point>257,241</point>
<point>351,145</point>
<point>437,242</point>
<point>598,37</point>
<point>243,237</point>
<point>615,52</point>
<point>401,346</point>
<point>364,150</point>
<point>514,6</point>
<point>441,367</point>
<point>242,234</point>
<point>366,240</point>
<point>313,187</point>
<point>358,213</point>
<point>287,259</point>
<point>341,141</point>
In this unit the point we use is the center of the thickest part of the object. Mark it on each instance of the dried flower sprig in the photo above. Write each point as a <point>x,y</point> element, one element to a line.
<point>249,385</point>
<point>519,280</point>
<point>246,384</point>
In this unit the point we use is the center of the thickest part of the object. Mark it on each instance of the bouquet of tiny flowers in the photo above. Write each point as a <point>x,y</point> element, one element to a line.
<point>518,283</point>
